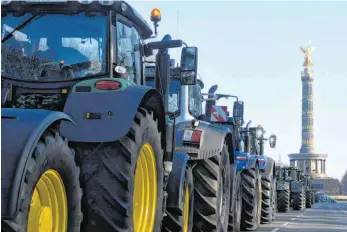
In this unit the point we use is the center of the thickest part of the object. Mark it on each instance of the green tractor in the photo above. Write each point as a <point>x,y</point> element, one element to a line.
<point>87,146</point>
<point>309,190</point>
<point>297,188</point>
<point>283,189</point>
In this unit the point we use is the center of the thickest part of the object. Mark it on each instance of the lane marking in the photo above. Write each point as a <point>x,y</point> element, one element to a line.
<point>293,219</point>
<point>274,230</point>
<point>285,224</point>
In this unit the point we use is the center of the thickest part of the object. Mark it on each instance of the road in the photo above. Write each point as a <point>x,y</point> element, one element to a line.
<point>322,217</point>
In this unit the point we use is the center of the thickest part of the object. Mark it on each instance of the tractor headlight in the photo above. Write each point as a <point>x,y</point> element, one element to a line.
<point>259,132</point>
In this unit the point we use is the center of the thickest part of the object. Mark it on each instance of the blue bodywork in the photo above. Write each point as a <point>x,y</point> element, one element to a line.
<point>117,110</point>
<point>21,129</point>
<point>249,162</point>
<point>262,165</point>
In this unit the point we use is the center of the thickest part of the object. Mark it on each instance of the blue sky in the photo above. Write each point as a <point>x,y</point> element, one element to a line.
<point>250,49</point>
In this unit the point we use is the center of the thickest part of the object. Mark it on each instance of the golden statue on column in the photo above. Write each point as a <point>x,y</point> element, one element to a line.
<point>307,51</point>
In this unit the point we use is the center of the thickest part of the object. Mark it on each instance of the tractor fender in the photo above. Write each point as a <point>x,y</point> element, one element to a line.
<point>267,166</point>
<point>21,129</point>
<point>249,162</point>
<point>111,113</point>
<point>176,181</point>
<point>212,140</point>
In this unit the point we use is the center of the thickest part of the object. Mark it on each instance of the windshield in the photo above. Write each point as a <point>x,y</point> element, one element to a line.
<point>53,47</point>
<point>174,94</point>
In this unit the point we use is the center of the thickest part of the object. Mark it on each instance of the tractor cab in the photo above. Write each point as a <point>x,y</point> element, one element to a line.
<point>184,98</point>
<point>51,50</point>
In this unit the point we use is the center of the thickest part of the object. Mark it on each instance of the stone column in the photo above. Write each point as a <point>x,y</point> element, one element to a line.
<point>307,139</point>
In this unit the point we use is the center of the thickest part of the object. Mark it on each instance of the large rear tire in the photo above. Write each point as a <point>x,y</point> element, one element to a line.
<point>298,201</point>
<point>123,181</point>
<point>212,192</point>
<point>274,199</point>
<point>251,199</point>
<point>268,187</point>
<point>182,222</point>
<point>51,195</point>
<point>308,199</point>
<point>236,201</point>
<point>283,200</point>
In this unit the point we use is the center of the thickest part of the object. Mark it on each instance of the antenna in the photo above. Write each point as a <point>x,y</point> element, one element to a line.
<point>177,31</point>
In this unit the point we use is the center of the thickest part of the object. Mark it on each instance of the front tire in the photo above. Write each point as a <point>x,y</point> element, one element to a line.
<point>268,207</point>
<point>182,222</point>
<point>298,201</point>
<point>123,181</point>
<point>51,193</point>
<point>212,192</point>
<point>251,199</point>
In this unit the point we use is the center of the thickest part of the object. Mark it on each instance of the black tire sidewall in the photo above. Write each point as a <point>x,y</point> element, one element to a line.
<point>148,134</point>
<point>57,156</point>
<point>224,164</point>
<point>190,183</point>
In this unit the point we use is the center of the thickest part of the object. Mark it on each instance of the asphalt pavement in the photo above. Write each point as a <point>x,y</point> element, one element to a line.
<point>322,217</point>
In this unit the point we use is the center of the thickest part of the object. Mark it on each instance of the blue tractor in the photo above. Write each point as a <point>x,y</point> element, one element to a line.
<point>86,146</point>
<point>258,186</point>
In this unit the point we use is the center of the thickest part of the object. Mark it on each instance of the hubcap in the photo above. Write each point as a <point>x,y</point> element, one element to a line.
<point>145,190</point>
<point>186,210</point>
<point>48,209</point>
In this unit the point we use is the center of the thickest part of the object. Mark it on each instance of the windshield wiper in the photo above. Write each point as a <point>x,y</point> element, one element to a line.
<point>20,26</point>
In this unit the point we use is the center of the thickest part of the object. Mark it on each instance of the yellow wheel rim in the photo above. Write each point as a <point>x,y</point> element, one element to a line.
<point>145,190</point>
<point>186,210</point>
<point>48,208</point>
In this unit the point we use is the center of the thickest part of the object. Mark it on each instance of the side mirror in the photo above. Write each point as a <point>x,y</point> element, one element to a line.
<point>272,141</point>
<point>238,112</point>
<point>189,65</point>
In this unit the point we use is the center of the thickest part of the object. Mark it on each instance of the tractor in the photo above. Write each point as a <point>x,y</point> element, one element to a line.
<point>309,191</point>
<point>210,150</point>
<point>267,172</point>
<point>257,171</point>
<point>283,189</point>
<point>297,189</point>
<point>86,146</point>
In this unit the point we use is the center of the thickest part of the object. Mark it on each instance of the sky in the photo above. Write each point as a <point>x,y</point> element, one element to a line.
<point>250,49</point>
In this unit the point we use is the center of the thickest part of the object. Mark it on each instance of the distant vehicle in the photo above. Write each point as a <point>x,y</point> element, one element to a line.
<point>327,199</point>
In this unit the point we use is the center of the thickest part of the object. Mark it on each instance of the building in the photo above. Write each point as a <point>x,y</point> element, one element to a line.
<point>311,162</point>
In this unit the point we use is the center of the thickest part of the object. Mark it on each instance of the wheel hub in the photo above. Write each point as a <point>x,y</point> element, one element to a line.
<point>186,210</point>
<point>48,208</point>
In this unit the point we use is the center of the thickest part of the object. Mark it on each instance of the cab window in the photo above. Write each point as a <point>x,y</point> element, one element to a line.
<point>128,51</point>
